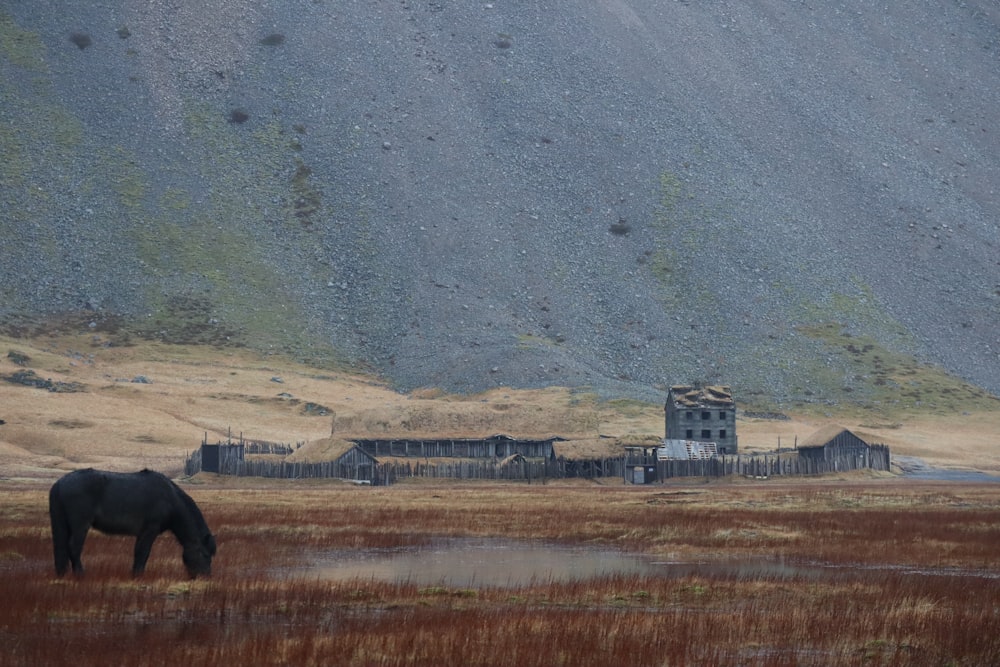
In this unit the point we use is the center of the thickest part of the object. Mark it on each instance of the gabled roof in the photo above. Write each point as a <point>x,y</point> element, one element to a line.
<point>324,449</point>
<point>826,435</point>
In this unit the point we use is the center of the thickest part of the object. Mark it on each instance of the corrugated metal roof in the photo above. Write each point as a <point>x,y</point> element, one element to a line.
<point>687,449</point>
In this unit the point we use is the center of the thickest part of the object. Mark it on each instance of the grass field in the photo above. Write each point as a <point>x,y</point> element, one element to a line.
<point>881,570</point>
<point>922,586</point>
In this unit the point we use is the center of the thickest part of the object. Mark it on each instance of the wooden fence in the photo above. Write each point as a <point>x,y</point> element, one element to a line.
<point>641,470</point>
<point>302,470</point>
<point>527,470</point>
<point>388,472</point>
<point>265,447</point>
<point>193,463</point>
<point>222,456</point>
<point>874,457</point>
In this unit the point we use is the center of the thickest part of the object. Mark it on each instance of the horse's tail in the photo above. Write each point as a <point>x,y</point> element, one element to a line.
<point>60,529</point>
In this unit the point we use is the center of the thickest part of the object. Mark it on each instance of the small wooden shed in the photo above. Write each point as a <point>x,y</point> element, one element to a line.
<point>356,464</point>
<point>833,443</point>
<point>642,462</point>
<point>347,459</point>
<point>220,456</point>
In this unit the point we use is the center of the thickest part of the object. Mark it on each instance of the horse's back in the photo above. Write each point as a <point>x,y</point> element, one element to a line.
<point>132,502</point>
<point>77,486</point>
<point>112,502</point>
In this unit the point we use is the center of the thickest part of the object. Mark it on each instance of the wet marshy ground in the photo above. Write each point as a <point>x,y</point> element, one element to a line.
<point>479,563</point>
<point>502,575</point>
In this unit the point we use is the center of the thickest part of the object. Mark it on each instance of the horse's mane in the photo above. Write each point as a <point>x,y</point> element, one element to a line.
<point>193,512</point>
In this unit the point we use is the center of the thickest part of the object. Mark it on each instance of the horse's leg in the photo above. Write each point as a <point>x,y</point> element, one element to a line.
<point>60,543</point>
<point>61,529</point>
<point>143,545</point>
<point>61,557</point>
<point>75,547</point>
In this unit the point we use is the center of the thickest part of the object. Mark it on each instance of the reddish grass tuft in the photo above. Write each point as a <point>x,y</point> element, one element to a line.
<point>924,589</point>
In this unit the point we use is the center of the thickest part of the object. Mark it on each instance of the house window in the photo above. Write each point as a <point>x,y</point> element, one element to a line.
<point>706,433</point>
<point>706,415</point>
<point>722,415</point>
<point>689,434</point>
<point>689,415</point>
<point>722,434</point>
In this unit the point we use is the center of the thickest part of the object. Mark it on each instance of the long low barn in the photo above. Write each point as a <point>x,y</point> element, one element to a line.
<point>495,446</point>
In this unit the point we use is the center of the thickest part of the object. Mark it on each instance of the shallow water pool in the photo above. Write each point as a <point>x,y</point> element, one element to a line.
<point>477,563</point>
<point>503,563</point>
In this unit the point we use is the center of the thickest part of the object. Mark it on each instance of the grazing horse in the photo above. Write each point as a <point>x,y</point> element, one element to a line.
<point>143,504</point>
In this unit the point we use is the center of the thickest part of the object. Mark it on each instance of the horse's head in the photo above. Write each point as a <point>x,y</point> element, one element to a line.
<point>198,556</point>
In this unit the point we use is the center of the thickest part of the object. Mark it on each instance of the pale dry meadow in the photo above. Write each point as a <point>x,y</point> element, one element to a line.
<point>149,405</point>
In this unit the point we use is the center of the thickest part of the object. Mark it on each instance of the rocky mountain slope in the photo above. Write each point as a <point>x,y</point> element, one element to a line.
<point>795,198</point>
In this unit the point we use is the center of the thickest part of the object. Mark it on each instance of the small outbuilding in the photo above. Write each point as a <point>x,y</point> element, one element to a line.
<point>220,456</point>
<point>834,444</point>
<point>829,441</point>
<point>643,463</point>
<point>346,459</point>
<point>356,464</point>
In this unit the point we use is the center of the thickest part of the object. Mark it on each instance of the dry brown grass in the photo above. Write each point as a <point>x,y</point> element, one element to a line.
<point>535,414</point>
<point>265,606</point>
<point>193,391</point>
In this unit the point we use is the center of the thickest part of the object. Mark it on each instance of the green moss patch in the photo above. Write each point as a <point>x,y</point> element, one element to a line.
<point>20,47</point>
<point>888,382</point>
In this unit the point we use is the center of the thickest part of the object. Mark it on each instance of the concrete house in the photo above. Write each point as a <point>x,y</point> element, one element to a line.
<point>702,414</point>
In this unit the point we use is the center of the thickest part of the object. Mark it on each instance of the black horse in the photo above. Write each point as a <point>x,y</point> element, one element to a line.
<point>143,504</point>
